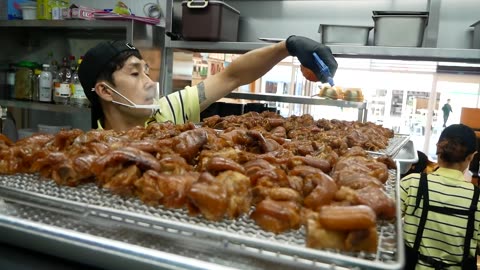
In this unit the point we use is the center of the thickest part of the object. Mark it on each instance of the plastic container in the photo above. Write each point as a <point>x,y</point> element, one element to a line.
<point>344,34</point>
<point>209,21</point>
<point>44,10</point>
<point>26,132</point>
<point>476,35</point>
<point>399,29</point>
<point>29,12</point>
<point>51,129</point>
<point>9,9</point>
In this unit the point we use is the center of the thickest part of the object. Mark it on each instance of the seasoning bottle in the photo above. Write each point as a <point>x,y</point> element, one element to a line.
<point>62,90</point>
<point>36,84</point>
<point>3,82</point>
<point>45,84</point>
<point>11,81</point>
<point>56,10</point>
<point>78,98</point>
<point>44,11</point>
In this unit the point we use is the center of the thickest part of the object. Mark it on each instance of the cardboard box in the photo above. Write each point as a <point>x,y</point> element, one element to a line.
<point>81,12</point>
<point>67,13</point>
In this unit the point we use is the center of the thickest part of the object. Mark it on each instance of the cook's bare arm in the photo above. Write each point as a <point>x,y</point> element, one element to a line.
<point>245,69</point>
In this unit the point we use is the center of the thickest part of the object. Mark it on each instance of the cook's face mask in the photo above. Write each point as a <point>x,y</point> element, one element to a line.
<point>153,107</point>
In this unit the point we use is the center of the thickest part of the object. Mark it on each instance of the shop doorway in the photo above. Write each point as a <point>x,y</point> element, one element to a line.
<point>463,91</point>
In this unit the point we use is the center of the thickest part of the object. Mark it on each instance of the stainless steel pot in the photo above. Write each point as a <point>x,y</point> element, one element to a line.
<point>344,34</point>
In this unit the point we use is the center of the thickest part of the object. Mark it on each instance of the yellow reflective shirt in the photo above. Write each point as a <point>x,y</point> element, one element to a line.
<point>178,107</point>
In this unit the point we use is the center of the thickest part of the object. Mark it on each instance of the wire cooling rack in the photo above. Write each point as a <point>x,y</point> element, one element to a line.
<point>240,237</point>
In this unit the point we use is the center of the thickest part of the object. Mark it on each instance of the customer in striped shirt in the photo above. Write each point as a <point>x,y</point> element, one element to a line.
<point>441,210</point>
<point>116,80</point>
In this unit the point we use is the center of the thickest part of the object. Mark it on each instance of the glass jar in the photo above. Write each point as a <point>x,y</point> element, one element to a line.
<point>24,80</point>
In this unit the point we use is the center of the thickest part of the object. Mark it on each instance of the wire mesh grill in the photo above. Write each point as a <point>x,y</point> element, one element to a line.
<point>114,231</point>
<point>239,234</point>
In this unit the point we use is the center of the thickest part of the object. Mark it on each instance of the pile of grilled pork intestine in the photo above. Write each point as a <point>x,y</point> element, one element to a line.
<point>319,178</point>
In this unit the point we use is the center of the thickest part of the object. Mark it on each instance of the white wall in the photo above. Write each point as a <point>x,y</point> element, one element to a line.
<point>455,18</point>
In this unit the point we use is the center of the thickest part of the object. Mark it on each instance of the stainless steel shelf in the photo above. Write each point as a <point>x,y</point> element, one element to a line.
<point>138,33</point>
<point>379,52</point>
<point>298,99</point>
<point>72,24</point>
<point>42,106</point>
<point>225,47</point>
<point>361,106</point>
<point>409,53</point>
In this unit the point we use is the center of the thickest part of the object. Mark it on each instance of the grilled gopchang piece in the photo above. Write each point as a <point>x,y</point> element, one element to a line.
<point>336,133</point>
<point>227,194</point>
<point>347,228</point>
<point>276,215</point>
<point>170,190</point>
<point>19,157</point>
<point>118,157</point>
<point>361,179</point>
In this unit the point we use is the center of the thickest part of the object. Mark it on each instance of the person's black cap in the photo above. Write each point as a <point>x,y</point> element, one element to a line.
<point>93,63</point>
<point>463,133</point>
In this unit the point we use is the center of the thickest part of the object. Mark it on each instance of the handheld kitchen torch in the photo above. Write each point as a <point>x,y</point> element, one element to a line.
<point>323,68</point>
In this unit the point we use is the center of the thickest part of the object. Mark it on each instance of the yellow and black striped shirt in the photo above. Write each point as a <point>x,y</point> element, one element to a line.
<point>178,107</point>
<point>443,237</point>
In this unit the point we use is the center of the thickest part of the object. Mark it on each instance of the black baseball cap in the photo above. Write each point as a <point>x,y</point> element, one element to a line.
<point>93,63</point>
<point>463,133</point>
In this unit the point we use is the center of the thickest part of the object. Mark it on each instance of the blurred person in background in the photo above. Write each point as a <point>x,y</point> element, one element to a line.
<point>422,165</point>
<point>116,80</point>
<point>441,210</point>
<point>447,109</point>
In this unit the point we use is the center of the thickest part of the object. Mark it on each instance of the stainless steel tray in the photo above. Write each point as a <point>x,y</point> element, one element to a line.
<point>406,157</point>
<point>111,245</point>
<point>394,145</point>
<point>240,236</point>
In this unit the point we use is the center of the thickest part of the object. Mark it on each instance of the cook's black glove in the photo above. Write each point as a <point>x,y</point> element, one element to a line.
<point>303,49</point>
